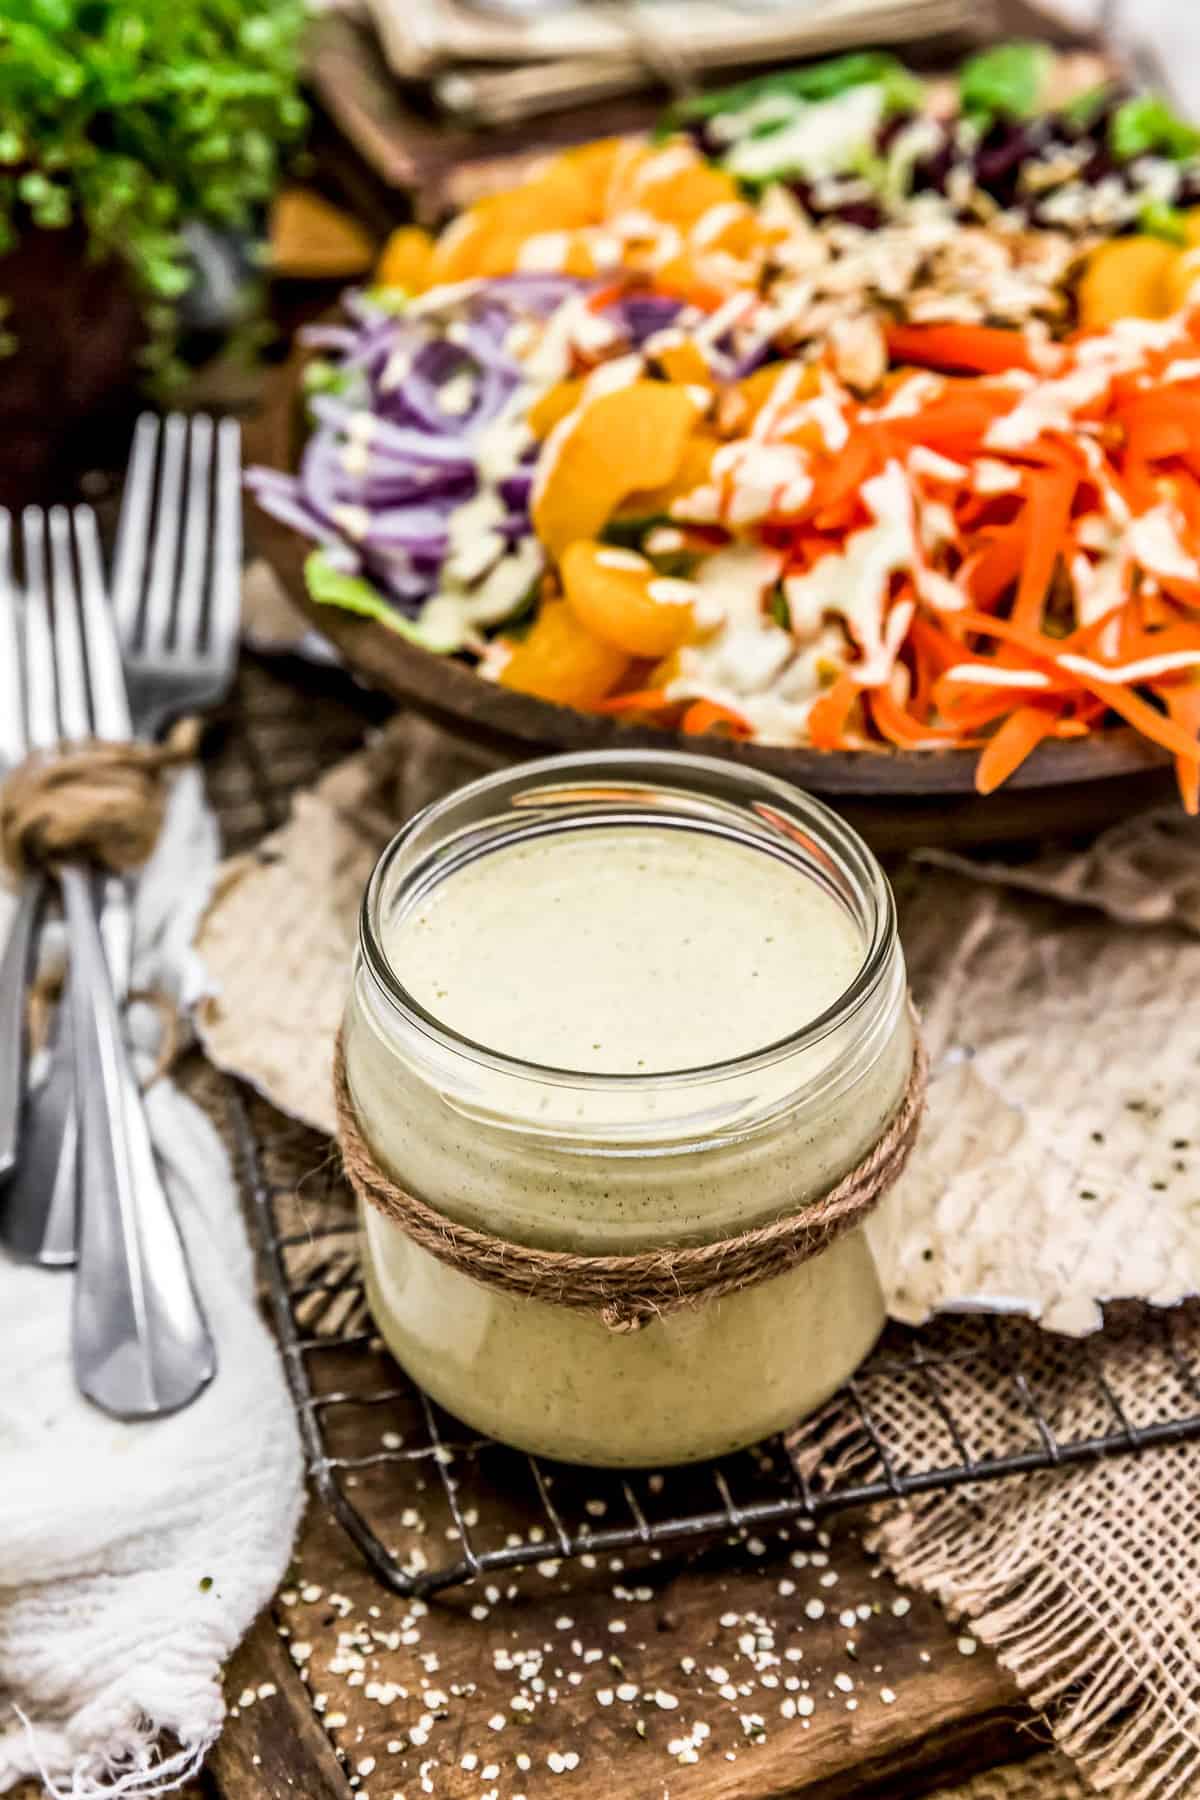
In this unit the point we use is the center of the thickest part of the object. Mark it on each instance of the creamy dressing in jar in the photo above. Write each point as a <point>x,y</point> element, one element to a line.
<point>606,1004</point>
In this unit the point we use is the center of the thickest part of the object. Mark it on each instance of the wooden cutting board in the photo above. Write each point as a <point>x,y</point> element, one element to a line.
<point>924,1712</point>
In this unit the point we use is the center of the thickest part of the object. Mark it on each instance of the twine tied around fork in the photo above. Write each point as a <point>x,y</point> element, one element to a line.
<point>94,802</point>
<point>46,993</point>
<point>627,1292</point>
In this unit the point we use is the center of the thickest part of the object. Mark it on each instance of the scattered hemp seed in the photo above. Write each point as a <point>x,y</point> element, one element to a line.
<point>814,1609</point>
<point>967,1646</point>
<point>887,1696</point>
<point>900,1605</point>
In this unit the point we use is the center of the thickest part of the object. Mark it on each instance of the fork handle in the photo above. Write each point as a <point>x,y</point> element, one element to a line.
<point>38,1222</point>
<point>140,1342</point>
<point>14,974</point>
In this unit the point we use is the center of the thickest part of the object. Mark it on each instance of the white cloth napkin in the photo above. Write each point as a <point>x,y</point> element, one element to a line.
<point>134,1557</point>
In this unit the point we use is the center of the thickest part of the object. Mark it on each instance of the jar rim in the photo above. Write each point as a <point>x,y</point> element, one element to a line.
<point>640,772</point>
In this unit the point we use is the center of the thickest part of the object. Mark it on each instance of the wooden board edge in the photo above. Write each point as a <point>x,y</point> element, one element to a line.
<point>275,1749</point>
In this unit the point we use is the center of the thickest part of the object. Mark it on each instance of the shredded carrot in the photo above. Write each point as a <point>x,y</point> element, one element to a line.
<point>1017,738</point>
<point>831,712</point>
<point>899,727</point>
<point>1047,512</point>
<point>643,700</point>
<point>977,349</point>
<point>706,715</point>
<point>602,298</point>
<point>1018,528</point>
<point>1147,719</point>
<point>1183,704</point>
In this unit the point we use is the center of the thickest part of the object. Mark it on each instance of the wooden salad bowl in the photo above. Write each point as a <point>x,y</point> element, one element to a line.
<point>898,799</point>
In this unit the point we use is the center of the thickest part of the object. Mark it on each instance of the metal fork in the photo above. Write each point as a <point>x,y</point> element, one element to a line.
<point>177,567</point>
<point>177,596</point>
<point>140,1343</point>
<point>18,949</point>
<point>38,1220</point>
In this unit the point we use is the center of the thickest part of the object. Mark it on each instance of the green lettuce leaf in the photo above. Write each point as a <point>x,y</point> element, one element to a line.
<point>1004,83</point>
<point>1158,219</point>
<point>330,586</point>
<point>814,81</point>
<point>1083,108</point>
<point>1146,125</point>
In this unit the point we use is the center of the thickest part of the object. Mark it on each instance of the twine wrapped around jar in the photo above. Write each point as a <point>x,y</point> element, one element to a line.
<point>627,1292</point>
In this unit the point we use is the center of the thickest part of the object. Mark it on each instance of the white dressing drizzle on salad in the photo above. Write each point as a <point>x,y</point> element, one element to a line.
<point>855,583</point>
<point>822,140</point>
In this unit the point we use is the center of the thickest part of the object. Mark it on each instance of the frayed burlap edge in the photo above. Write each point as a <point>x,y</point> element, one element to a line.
<point>1119,1692</point>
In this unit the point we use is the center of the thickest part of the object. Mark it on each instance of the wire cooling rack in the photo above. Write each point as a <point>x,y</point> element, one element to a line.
<point>430,1503</point>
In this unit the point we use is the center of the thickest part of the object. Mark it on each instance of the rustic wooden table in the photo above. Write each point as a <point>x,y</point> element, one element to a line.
<point>790,1667</point>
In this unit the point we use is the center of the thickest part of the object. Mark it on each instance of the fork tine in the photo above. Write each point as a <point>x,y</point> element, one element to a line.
<point>189,613</point>
<point>110,705</point>
<point>12,709</point>
<point>41,698</point>
<point>133,530</point>
<point>73,708</point>
<point>225,610</point>
<point>157,623</point>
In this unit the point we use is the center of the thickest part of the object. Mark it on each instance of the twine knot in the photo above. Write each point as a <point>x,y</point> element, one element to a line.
<point>92,802</point>
<point>627,1292</point>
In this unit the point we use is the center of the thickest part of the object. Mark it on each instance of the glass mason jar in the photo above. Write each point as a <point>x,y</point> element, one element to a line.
<point>611,1164</point>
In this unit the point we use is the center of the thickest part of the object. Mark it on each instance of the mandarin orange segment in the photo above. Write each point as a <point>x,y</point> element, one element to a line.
<point>488,238</point>
<point>614,442</point>
<point>1127,278</point>
<point>1183,281</point>
<point>618,596</point>
<point>694,470</point>
<point>742,403</point>
<point>683,362</point>
<point>550,408</point>
<point>407,260</point>
<point>456,252</point>
<point>735,229</point>
<point>680,191</point>
<point>559,660</point>
<point>598,164</point>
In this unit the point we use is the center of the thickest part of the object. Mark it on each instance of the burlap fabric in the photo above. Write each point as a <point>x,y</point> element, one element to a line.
<point>1058,1168</point>
<point>1041,1778</point>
